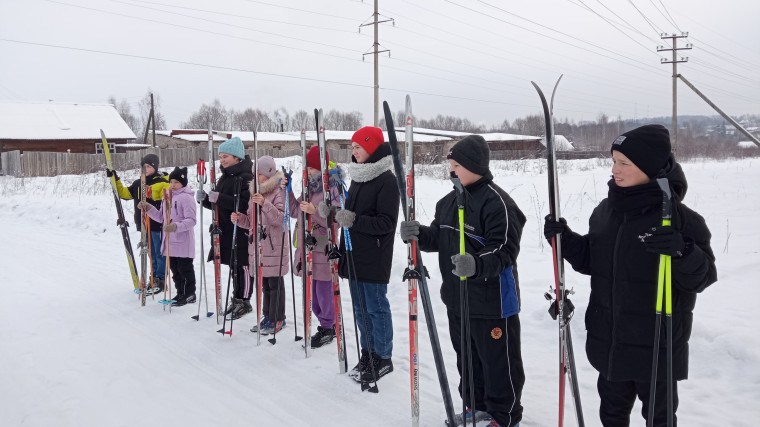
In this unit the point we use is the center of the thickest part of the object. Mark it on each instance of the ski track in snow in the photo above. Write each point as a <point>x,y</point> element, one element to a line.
<point>77,349</point>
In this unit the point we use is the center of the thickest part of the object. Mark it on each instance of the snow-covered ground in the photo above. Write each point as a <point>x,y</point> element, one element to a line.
<point>76,348</point>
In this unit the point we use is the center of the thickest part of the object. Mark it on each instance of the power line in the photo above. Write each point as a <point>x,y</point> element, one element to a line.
<point>300,10</point>
<point>656,30</point>
<point>552,69</point>
<point>236,15</point>
<point>244,70</point>
<point>206,31</point>
<point>636,63</point>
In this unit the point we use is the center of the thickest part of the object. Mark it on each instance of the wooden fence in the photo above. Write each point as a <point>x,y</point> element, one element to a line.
<point>34,163</point>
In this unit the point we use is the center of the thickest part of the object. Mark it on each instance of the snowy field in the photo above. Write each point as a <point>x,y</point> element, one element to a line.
<point>76,348</point>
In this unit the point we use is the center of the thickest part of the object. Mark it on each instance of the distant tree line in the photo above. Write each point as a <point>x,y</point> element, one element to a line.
<point>697,136</point>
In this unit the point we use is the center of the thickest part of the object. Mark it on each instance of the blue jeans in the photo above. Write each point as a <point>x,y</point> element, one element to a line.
<point>158,260</point>
<point>378,317</point>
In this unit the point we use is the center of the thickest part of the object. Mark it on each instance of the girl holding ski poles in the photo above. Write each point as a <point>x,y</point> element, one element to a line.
<point>182,243</point>
<point>235,166</point>
<point>621,253</point>
<point>322,291</point>
<point>275,260</point>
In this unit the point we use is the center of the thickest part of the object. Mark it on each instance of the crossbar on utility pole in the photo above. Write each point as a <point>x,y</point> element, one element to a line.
<point>673,38</point>
<point>375,52</point>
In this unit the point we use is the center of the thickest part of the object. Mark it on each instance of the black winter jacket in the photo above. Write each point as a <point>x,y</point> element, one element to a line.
<point>225,185</point>
<point>620,317</point>
<point>373,197</point>
<point>493,228</point>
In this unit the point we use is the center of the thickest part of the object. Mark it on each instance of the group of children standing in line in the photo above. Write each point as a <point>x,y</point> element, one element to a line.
<point>620,253</point>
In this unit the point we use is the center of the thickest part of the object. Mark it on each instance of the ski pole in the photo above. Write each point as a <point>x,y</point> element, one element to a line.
<point>281,283</point>
<point>664,291</point>
<point>202,282</point>
<point>288,190</point>
<point>464,303</point>
<point>233,262</point>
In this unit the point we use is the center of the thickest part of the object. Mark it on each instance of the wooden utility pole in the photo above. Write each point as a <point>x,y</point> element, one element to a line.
<point>673,40</point>
<point>153,119</point>
<point>375,52</point>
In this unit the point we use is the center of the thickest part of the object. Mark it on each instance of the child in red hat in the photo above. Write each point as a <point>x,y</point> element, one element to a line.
<point>371,213</point>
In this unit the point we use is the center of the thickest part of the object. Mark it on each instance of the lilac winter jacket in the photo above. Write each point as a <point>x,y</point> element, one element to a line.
<point>320,266</point>
<point>272,214</point>
<point>182,241</point>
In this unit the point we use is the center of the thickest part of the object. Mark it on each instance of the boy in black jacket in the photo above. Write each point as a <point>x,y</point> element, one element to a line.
<point>621,253</point>
<point>493,226</point>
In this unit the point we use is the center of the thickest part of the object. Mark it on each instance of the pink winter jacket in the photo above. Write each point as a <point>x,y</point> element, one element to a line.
<point>182,241</point>
<point>272,214</point>
<point>320,267</point>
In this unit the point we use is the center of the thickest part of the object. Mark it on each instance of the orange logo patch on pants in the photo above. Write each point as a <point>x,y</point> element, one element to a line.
<point>496,333</point>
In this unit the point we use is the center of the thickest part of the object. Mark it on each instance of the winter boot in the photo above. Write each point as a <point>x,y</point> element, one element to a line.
<point>182,299</point>
<point>242,308</point>
<point>357,370</point>
<point>263,325</point>
<point>479,416</point>
<point>381,367</point>
<point>272,328</point>
<point>322,337</point>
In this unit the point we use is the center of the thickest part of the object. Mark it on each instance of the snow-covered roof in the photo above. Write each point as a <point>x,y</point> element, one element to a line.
<point>747,144</point>
<point>562,143</point>
<point>334,135</point>
<point>492,137</point>
<point>59,120</point>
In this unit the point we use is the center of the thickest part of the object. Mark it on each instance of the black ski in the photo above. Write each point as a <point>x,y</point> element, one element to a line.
<point>561,308</point>
<point>419,269</point>
<point>121,221</point>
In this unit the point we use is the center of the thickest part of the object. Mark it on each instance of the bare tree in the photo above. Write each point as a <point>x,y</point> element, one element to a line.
<point>158,116</point>
<point>215,115</point>
<point>125,111</point>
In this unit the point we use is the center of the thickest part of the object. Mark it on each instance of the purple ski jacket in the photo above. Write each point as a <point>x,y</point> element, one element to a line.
<point>182,241</point>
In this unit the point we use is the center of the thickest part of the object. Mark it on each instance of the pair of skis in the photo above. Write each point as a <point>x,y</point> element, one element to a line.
<point>121,221</point>
<point>331,250</point>
<point>416,273</point>
<point>306,246</point>
<point>561,309</point>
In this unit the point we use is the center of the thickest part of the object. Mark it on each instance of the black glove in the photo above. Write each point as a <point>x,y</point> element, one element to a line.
<point>112,173</point>
<point>552,227</point>
<point>663,240</point>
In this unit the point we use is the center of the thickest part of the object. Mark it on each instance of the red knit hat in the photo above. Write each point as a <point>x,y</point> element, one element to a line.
<point>369,138</point>
<point>312,158</point>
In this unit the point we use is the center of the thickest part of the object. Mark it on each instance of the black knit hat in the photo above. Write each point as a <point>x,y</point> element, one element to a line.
<point>150,159</point>
<point>472,153</point>
<point>180,174</point>
<point>647,146</point>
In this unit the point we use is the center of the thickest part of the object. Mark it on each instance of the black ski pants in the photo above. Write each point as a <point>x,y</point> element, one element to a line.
<point>274,304</point>
<point>497,367</point>
<point>183,275</point>
<point>618,397</point>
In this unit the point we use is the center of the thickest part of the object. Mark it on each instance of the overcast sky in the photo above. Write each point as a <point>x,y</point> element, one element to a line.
<point>467,58</point>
